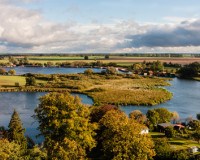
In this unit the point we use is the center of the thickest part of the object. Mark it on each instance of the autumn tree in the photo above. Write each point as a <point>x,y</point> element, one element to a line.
<point>88,71</point>
<point>98,112</point>
<point>138,116</point>
<point>175,117</point>
<point>12,72</point>
<point>122,138</point>
<point>2,71</point>
<point>10,150</point>
<point>64,122</point>
<point>16,130</point>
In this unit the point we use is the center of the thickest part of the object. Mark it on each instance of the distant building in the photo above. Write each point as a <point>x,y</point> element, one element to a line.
<point>145,131</point>
<point>193,149</point>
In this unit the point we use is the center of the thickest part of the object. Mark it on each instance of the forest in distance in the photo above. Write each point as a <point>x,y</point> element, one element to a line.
<point>73,130</point>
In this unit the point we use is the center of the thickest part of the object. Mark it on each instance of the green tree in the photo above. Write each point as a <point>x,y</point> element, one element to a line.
<point>107,56</point>
<point>196,134</point>
<point>86,57</point>
<point>195,124</point>
<point>157,66</point>
<point>30,81</point>
<point>190,70</point>
<point>164,115</point>
<point>153,118</point>
<point>64,122</point>
<point>36,153</point>
<point>170,132</point>
<point>122,138</point>
<point>162,148</point>
<point>111,70</point>
<point>12,72</point>
<point>198,116</point>
<point>181,155</point>
<point>16,130</point>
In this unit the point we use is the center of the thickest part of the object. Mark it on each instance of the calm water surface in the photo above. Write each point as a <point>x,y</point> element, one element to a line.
<point>53,70</point>
<point>186,101</point>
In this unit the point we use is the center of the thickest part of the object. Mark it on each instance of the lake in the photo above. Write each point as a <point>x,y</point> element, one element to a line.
<point>53,70</point>
<point>186,101</point>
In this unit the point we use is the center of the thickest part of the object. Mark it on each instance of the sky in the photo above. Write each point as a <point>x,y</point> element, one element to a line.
<point>100,26</point>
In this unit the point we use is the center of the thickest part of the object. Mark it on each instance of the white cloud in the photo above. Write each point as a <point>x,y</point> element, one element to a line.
<point>23,30</point>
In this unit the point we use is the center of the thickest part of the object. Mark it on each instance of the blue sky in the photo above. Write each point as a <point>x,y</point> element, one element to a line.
<point>76,26</point>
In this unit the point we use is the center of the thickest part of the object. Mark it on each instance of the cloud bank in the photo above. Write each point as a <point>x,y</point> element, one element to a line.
<point>183,35</point>
<point>25,30</point>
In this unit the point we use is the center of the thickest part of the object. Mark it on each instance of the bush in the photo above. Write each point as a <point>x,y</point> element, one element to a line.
<point>170,132</point>
<point>88,71</point>
<point>16,84</point>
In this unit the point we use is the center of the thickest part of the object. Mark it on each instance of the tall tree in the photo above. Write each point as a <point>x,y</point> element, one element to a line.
<point>16,130</point>
<point>64,122</point>
<point>122,138</point>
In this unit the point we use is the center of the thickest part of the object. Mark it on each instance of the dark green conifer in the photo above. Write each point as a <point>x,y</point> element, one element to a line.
<point>16,130</point>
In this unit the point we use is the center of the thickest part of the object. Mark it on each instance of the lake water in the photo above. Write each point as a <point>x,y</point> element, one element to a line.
<point>186,101</point>
<point>53,70</point>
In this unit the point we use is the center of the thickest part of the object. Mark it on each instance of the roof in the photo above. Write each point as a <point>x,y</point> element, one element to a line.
<point>164,125</point>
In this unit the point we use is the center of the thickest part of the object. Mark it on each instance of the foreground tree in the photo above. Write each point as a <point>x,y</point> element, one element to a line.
<point>16,130</point>
<point>64,122</point>
<point>10,150</point>
<point>122,138</point>
<point>162,148</point>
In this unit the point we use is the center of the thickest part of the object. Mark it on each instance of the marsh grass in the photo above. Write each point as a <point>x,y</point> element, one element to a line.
<point>104,89</point>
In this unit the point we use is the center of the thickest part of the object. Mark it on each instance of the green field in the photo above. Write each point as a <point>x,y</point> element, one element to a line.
<point>119,60</point>
<point>9,81</point>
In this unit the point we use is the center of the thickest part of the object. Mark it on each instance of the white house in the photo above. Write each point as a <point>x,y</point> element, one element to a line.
<point>145,131</point>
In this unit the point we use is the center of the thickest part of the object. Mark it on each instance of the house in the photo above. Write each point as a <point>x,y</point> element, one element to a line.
<point>162,126</point>
<point>193,149</point>
<point>145,131</point>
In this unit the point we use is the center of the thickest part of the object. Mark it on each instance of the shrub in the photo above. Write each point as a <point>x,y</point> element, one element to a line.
<point>170,132</point>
